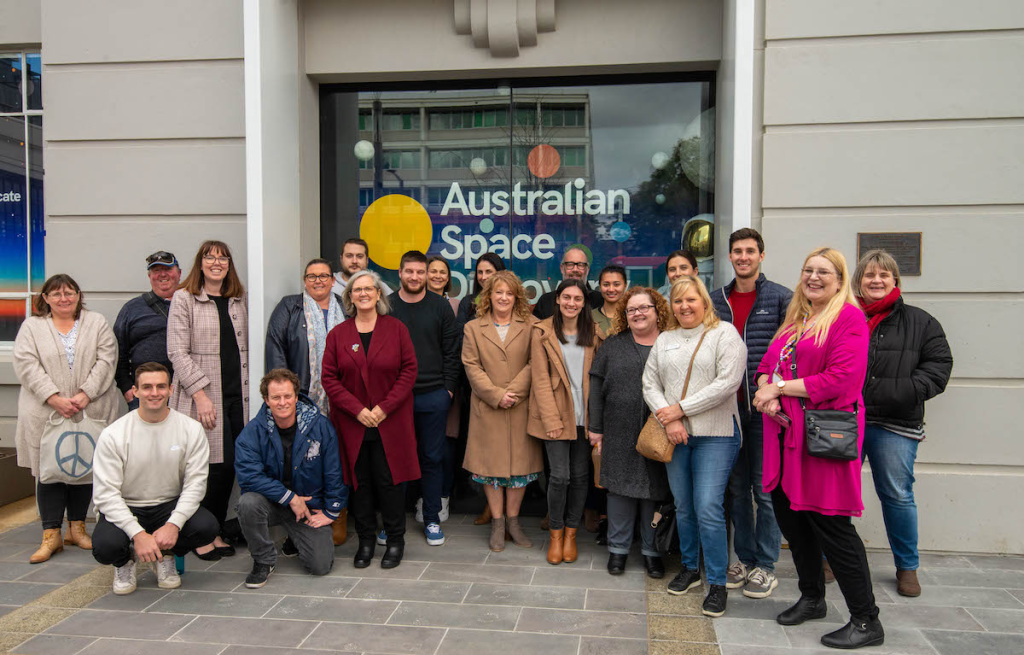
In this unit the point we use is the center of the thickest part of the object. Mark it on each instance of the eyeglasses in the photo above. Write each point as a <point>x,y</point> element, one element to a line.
<point>822,273</point>
<point>223,259</point>
<point>57,295</point>
<point>580,265</point>
<point>639,309</point>
<point>162,257</point>
<point>323,277</point>
<point>361,290</point>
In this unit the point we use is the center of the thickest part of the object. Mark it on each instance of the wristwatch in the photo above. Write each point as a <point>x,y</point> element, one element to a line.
<point>781,384</point>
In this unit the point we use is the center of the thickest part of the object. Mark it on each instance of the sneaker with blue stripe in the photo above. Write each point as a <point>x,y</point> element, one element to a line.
<point>435,537</point>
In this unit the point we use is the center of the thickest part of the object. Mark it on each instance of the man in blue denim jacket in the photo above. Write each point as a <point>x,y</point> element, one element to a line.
<point>289,471</point>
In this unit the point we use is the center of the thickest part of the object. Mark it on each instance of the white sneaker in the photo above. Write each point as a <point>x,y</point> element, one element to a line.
<point>124,578</point>
<point>419,511</point>
<point>444,513</point>
<point>167,572</point>
<point>736,576</point>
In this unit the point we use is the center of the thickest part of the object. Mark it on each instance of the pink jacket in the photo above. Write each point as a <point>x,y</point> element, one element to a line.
<point>834,376</point>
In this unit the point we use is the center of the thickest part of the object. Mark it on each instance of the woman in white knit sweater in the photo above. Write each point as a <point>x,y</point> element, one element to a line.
<point>704,425</point>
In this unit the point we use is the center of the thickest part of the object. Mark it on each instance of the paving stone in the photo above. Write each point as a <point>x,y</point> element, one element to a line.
<point>976,643</point>
<point>13,552</point>
<point>137,601</point>
<point>19,593</point>
<point>616,601</point>
<point>961,597</point>
<point>684,648</point>
<point>742,649</point>
<point>930,616</point>
<point>53,645</point>
<point>73,596</point>
<point>752,632</point>
<point>379,638</point>
<point>883,561</point>
<point>198,581</point>
<point>32,618</point>
<point>555,576</point>
<point>334,609</point>
<point>97,623</point>
<point>441,592</point>
<point>525,596</point>
<point>1018,594</point>
<point>998,620</point>
<point>247,632</point>
<point>137,647</point>
<point>9,640</point>
<point>6,609</point>
<point>481,617</point>
<point>996,562</point>
<point>663,603</point>
<point>28,534</point>
<point>10,571</point>
<point>903,641</point>
<point>681,628</point>
<point>1004,579</point>
<point>459,642</point>
<point>59,573</point>
<point>595,624</point>
<point>211,603</point>
<point>256,650</point>
<point>404,571</point>
<point>70,555</point>
<point>536,556</point>
<point>610,646</point>
<point>419,551</point>
<point>478,573</point>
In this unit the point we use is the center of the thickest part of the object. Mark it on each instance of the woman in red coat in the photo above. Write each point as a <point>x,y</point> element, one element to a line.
<point>369,368</point>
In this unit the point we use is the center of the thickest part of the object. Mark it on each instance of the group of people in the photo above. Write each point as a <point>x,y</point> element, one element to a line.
<point>367,391</point>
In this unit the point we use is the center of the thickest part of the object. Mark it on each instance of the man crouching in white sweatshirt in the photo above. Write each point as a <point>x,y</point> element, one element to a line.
<point>149,474</point>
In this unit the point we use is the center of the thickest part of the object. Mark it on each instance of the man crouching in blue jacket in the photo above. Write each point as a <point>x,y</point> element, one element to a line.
<point>289,471</point>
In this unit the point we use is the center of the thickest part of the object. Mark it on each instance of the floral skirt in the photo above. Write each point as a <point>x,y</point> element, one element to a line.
<point>514,482</point>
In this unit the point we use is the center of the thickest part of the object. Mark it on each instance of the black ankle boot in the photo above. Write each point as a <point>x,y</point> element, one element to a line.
<point>616,563</point>
<point>392,556</point>
<point>654,566</point>
<point>805,609</point>
<point>364,554</point>
<point>856,634</point>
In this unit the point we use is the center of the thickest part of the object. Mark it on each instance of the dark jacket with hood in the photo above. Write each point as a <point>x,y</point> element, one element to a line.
<point>287,345</point>
<point>259,460</point>
<point>767,314</point>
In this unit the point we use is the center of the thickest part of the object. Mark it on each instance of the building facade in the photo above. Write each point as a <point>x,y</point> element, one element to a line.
<point>815,121</point>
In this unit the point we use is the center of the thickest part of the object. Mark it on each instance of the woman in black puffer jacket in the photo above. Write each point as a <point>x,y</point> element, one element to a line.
<point>909,361</point>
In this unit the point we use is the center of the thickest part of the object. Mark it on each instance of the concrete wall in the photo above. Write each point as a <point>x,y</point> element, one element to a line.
<point>907,116</point>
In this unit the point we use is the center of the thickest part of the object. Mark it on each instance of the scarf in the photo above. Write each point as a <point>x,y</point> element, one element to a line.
<point>878,310</point>
<point>316,336</point>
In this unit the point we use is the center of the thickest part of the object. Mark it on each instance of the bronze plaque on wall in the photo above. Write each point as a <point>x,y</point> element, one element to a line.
<point>905,248</point>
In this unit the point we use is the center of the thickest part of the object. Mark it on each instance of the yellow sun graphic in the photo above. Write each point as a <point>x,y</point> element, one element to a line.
<point>394,225</point>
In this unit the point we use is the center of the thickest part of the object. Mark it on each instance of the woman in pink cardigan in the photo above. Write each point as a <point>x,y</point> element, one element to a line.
<point>825,334</point>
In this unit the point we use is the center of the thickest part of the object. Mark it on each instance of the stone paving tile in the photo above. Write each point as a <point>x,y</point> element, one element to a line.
<point>19,593</point>
<point>198,581</point>
<point>247,632</point>
<point>6,609</point>
<point>137,601</point>
<point>1005,579</point>
<point>997,562</point>
<point>440,592</point>
<point>97,623</point>
<point>58,573</point>
<point>379,638</point>
<point>591,623</point>
<point>1018,594</point>
<point>961,597</point>
<point>555,576</point>
<point>930,616</point>
<point>903,641</point>
<point>212,603</point>
<point>683,648</point>
<point>10,571</point>
<point>660,602</point>
<point>997,620</point>
<point>135,647</point>
<point>53,645</point>
<point>610,646</point>
<point>536,556</point>
<point>447,615</point>
<point>681,628</point>
<point>882,560</point>
<point>752,632</point>
<point>257,650</point>
<point>464,554</point>
<point>743,649</point>
<point>616,601</point>
<point>333,609</point>
<point>445,572</point>
<point>405,571</point>
<point>70,555</point>
<point>301,585</point>
<point>27,534</point>
<point>13,552</point>
<point>525,596</point>
<point>976,643</point>
<point>460,642</point>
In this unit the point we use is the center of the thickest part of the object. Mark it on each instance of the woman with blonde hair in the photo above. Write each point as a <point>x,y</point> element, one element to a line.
<point>818,361</point>
<point>499,453</point>
<point>208,344</point>
<point>690,384</point>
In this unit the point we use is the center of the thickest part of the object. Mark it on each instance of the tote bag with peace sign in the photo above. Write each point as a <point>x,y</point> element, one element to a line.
<point>66,449</point>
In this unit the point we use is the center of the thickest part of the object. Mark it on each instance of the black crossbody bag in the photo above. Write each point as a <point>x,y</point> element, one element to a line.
<point>829,433</point>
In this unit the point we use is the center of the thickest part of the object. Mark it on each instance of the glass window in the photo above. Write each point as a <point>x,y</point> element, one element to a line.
<point>34,80</point>
<point>10,83</point>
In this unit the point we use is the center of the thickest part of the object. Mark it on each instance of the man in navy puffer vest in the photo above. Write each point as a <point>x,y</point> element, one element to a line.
<point>756,307</point>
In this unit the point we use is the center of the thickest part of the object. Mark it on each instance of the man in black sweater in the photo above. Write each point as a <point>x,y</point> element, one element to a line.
<point>141,325</point>
<point>575,266</point>
<point>431,325</point>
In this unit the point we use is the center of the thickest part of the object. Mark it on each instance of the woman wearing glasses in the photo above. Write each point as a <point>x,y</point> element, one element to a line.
<point>819,358</point>
<point>617,415</point>
<point>208,344</point>
<point>64,357</point>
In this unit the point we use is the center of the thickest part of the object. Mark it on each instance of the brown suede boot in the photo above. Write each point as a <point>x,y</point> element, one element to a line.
<point>515,531</point>
<point>485,516</point>
<point>569,549</point>
<point>339,529</point>
<point>51,544</point>
<point>77,536</point>
<point>497,542</point>
<point>907,584</point>
<point>545,523</point>
<point>555,547</point>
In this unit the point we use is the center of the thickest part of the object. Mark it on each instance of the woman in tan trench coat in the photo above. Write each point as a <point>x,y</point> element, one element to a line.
<point>499,453</point>
<point>562,351</point>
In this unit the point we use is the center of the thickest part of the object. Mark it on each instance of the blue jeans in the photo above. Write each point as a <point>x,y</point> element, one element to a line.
<point>698,475</point>
<point>756,544</point>
<point>430,414</point>
<point>892,467</point>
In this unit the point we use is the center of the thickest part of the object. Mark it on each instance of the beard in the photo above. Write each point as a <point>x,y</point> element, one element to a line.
<point>413,287</point>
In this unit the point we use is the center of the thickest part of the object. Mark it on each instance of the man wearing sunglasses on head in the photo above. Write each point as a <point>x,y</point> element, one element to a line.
<point>141,325</point>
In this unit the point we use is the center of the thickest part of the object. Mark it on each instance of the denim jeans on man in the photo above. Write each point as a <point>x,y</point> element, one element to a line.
<point>698,474</point>
<point>891,457</point>
<point>430,414</point>
<point>756,544</point>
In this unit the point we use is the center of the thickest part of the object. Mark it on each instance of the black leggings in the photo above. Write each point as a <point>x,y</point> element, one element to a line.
<point>54,498</point>
<point>222,476</point>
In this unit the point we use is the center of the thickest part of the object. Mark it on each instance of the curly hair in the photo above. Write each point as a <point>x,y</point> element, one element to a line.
<point>665,318</point>
<point>510,279</point>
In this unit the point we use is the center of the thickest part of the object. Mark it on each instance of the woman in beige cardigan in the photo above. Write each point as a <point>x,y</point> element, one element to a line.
<point>64,357</point>
<point>499,453</point>
<point>562,351</point>
<point>208,344</point>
